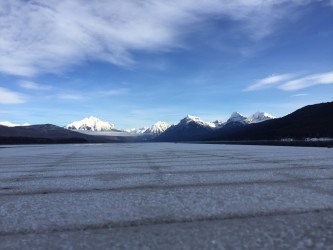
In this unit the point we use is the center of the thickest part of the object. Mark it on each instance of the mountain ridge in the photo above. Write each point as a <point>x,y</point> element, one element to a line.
<point>192,128</point>
<point>44,133</point>
<point>311,121</point>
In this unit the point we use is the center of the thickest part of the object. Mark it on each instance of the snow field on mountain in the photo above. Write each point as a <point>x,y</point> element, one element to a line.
<point>9,124</point>
<point>92,124</point>
<point>56,191</point>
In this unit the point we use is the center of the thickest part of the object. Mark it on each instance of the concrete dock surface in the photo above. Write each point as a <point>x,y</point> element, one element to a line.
<point>165,196</point>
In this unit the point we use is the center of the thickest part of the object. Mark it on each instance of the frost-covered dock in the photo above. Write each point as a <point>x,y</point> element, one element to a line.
<point>166,196</point>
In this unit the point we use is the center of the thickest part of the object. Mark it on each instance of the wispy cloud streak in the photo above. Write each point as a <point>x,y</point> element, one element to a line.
<point>10,97</point>
<point>298,95</point>
<point>290,82</point>
<point>34,86</point>
<point>93,94</point>
<point>114,92</point>
<point>73,97</point>
<point>269,82</point>
<point>50,36</point>
<point>308,81</point>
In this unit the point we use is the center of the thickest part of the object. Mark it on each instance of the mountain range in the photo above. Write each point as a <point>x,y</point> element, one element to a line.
<point>93,124</point>
<point>192,128</point>
<point>312,121</point>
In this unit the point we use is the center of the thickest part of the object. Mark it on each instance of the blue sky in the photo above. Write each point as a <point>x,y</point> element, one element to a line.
<point>134,63</point>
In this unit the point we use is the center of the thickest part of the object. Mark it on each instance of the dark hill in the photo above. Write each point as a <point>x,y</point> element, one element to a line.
<point>45,133</point>
<point>313,121</point>
<point>189,132</point>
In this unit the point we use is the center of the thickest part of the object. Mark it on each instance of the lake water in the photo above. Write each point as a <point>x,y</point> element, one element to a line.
<point>165,195</point>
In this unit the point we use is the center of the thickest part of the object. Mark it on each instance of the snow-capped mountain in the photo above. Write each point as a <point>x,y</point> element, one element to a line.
<point>259,117</point>
<point>154,130</point>
<point>303,123</point>
<point>193,119</point>
<point>190,125</point>
<point>138,131</point>
<point>237,118</point>
<point>190,128</point>
<point>92,124</point>
<point>157,128</point>
<point>9,124</point>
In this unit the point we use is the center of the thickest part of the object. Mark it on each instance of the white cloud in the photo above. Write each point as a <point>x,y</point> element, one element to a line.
<point>308,81</point>
<point>289,82</point>
<point>83,96</point>
<point>269,82</point>
<point>70,97</point>
<point>114,92</point>
<point>50,36</point>
<point>34,86</point>
<point>10,97</point>
<point>298,95</point>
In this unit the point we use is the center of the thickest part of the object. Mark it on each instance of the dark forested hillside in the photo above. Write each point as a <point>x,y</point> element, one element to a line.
<point>308,122</point>
<point>45,133</point>
<point>191,132</point>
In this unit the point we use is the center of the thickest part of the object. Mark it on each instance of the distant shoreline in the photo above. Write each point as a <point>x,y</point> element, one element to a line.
<point>49,141</point>
<point>39,140</point>
<point>298,143</point>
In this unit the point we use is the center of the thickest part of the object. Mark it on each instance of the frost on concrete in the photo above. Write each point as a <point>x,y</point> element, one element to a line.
<point>166,195</point>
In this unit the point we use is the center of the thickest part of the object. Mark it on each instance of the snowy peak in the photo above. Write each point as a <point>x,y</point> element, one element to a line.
<point>137,130</point>
<point>255,118</point>
<point>158,128</point>
<point>9,124</point>
<point>190,118</point>
<point>90,123</point>
<point>260,117</point>
<point>237,118</point>
<point>193,119</point>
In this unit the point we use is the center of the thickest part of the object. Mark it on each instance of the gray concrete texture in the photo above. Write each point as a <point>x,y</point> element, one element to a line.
<point>165,196</point>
